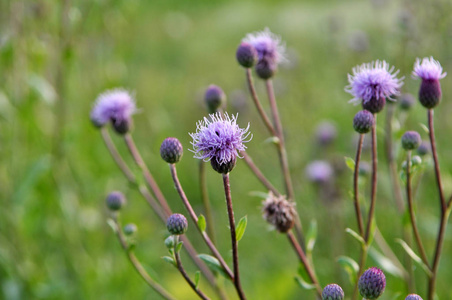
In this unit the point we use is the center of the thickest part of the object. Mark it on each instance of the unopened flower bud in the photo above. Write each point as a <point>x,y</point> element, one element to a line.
<point>416,160</point>
<point>177,224</point>
<point>363,121</point>
<point>214,98</point>
<point>424,148</point>
<point>122,126</point>
<point>375,104</point>
<point>411,140</point>
<point>130,229</point>
<point>372,283</point>
<point>115,200</point>
<point>223,168</point>
<point>169,242</point>
<point>279,212</point>
<point>332,292</point>
<point>406,101</point>
<point>246,55</point>
<point>171,150</point>
<point>266,68</point>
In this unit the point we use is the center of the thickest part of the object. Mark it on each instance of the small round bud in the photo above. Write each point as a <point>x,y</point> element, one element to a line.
<point>413,297</point>
<point>406,101</point>
<point>225,167</point>
<point>430,93</point>
<point>424,148</point>
<point>169,242</point>
<point>319,171</point>
<point>411,140</point>
<point>214,98</point>
<point>326,133</point>
<point>374,105</point>
<point>171,150</point>
<point>246,55</point>
<point>122,126</point>
<point>266,68</point>
<point>177,224</point>
<point>130,229</point>
<point>416,160</point>
<point>363,121</point>
<point>115,200</point>
<point>372,283</point>
<point>332,292</point>
<point>279,212</point>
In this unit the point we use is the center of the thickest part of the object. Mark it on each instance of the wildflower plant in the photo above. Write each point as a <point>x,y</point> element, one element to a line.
<point>222,142</point>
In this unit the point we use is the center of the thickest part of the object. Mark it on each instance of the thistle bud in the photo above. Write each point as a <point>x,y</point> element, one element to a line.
<point>171,150</point>
<point>223,168</point>
<point>363,121</point>
<point>430,71</point>
<point>424,148</point>
<point>177,224</point>
<point>122,126</point>
<point>169,242</point>
<point>115,201</point>
<point>246,55</point>
<point>130,229</point>
<point>375,104</point>
<point>332,292</point>
<point>214,98</point>
<point>372,283</point>
<point>411,140</point>
<point>266,68</point>
<point>279,212</point>
<point>407,101</point>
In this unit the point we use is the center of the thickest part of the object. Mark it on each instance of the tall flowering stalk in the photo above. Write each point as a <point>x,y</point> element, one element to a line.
<point>430,72</point>
<point>220,141</point>
<point>371,84</point>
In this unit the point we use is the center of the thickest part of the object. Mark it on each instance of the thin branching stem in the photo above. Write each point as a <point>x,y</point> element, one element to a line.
<point>136,263</point>
<point>146,173</point>
<point>444,211</point>
<point>409,198</point>
<point>194,217</point>
<point>235,254</point>
<point>301,255</point>
<point>257,103</point>
<point>359,217</point>
<point>181,269</point>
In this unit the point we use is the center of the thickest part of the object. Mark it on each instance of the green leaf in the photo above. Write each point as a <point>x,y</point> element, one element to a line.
<point>303,284</point>
<point>202,223</point>
<point>240,228</point>
<point>425,128</point>
<point>414,256</point>
<point>112,224</point>
<point>350,266</point>
<point>311,236</point>
<point>213,264</point>
<point>272,140</point>
<point>350,163</point>
<point>179,246</point>
<point>258,194</point>
<point>385,263</point>
<point>355,235</point>
<point>169,260</point>
<point>197,277</point>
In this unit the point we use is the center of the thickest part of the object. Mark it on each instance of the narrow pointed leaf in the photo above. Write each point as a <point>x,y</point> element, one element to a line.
<point>169,260</point>
<point>197,277</point>
<point>350,163</point>
<point>311,236</point>
<point>202,223</point>
<point>385,263</point>
<point>350,266</point>
<point>355,235</point>
<point>213,264</point>
<point>179,246</point>
<point>414,256</point>
<point>241,227</point>
<point>304,284</point>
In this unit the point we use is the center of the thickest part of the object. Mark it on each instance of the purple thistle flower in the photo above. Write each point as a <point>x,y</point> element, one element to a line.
<point>430,71</point>
<point>332,292</point>
<point>319,171</point>
<point>115,105</point>
<point>375,80</point>
<point>413,297</point>
<point>219,138</point>
<point>268,45</point>
<point>372,283</point>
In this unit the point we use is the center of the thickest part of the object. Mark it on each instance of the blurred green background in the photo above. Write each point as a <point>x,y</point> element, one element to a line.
<point>57,56</point>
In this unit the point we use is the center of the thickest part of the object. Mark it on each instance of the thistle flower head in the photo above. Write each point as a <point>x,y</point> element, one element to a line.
<point>219,138</point>
<point>130,229</point>
<point>363,121</point>
<point>372,283</point>
<point>407,101</point>
<point>332,292</point>
<point>214,98</point>
<point>268,45</point>
<point>116,106</point>
<point>177,224</point>
<point>115,200</point>
<point>428,69</point>
<point>411,140</point>
<point>413,297</point>
<point>424,148</point>
<point>373,80</point>
<point>246,55</point>
<point>279,212</point>
<point>326,133</point>
<point>171,150</point>
<point>319,171</point>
